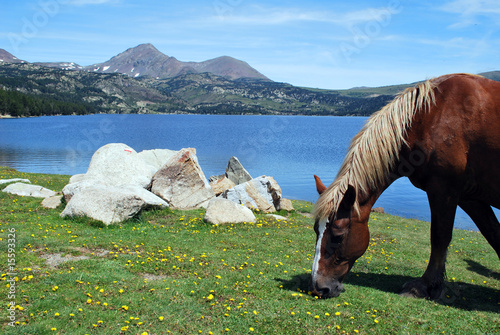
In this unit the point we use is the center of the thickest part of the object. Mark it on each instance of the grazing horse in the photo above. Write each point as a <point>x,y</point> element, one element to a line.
<point>444,135</point>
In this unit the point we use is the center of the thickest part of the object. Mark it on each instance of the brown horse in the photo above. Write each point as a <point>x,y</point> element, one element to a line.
<point>444,135</point>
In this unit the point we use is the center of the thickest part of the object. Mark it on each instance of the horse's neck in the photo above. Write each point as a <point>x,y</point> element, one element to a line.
<point>367,200</point>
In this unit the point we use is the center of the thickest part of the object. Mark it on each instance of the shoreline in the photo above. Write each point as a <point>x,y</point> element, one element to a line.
<point>183,113</point>
<point>14,170</point>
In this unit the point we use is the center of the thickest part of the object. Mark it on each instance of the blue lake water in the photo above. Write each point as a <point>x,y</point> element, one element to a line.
<point>290,148</point>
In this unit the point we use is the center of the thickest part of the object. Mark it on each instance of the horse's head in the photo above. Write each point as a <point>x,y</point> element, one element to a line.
<point>342,238</point>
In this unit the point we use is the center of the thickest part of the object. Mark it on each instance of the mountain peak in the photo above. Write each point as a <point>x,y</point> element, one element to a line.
<point>146,48</point>
<point>146,60</point>
<point>7,57</point>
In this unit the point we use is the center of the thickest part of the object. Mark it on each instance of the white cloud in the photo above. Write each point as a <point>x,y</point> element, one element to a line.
<point>472,7</point>
<point>470,10</point>
<point>257,15</point>
<point>276,16</point>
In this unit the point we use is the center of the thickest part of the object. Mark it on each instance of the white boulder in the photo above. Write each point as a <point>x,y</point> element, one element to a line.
<point>7,181</point>
<point>157,157</point>
<point>262,193</point>
<point>76,178</point>
<point>110,204</point>
<point>71,189</point>
<point>52,202</point>
<point>277,217</point>
<point>29,190</point>
<point>117,164</point>
<point>220,211</point>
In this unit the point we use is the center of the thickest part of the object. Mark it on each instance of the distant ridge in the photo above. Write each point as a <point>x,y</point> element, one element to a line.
<point>493,75</point>
<point>61,65</point>
<point>146,60</point>
<point>157,83</point>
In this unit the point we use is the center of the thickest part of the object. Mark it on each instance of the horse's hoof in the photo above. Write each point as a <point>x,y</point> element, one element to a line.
<point>419,289</point>
<point>415,289</point>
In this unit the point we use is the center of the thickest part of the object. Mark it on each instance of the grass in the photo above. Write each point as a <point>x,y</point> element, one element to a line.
<point>168,272</point>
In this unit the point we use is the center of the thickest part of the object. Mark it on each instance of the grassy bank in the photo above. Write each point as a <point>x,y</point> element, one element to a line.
<point>169,272</point>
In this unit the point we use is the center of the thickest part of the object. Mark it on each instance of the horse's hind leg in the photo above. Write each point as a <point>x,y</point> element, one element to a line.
<point>430,285</point>
<point>485,219</point>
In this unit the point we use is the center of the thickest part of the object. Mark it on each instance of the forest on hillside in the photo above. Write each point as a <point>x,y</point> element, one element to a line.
<point>18,104</point>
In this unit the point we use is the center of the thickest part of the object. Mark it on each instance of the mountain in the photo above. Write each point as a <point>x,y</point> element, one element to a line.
<point>200,93</point>
<point>144,80</point>
<point>228,67</point>
<point>7,57</point>
<point>110,93</point>
<point>146,60</point>
<point>143,60</point>
<point>61,65</point>
<point>493,75</point>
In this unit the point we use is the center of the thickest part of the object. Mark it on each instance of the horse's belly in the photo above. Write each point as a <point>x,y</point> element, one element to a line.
<point>483,181</point>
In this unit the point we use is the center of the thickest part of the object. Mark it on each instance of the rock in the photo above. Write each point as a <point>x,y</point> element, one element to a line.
<point>117,164</point>
<point>157,157</point>
<point>221,185</point>
<point>262,193</point>
<point>29,190</point>
<point>114,187</point>
<point>277,217</point>
<point>7,181</point>
<point>73,188</point>
<point>211,179</point>
<point>221,211</point>
<point>286,204</point>
<point>52,202</point>
<point>110,204</point>
<point>236,172</point>
<point>379,210</point>
<point>181,182</point>
<point>76,178</point>
<point>114,164</point>
<point>150,199</point>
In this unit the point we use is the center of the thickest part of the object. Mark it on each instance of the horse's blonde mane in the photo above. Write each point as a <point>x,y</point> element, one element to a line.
<point>374,151</point>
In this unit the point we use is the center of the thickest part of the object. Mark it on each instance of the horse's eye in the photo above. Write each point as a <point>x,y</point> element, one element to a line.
<point>332,247</point>
<point>336,240</point>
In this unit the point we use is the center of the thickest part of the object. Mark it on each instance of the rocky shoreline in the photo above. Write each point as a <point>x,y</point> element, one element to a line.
<point>121,182</point>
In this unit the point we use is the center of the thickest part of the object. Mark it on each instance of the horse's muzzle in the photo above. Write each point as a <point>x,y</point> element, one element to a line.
<point>327,290</point>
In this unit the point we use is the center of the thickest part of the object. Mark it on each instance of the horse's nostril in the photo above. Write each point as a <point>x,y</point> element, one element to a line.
<point>324,292</point>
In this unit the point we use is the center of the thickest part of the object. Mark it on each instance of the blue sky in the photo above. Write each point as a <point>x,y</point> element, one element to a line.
<point>326,44</point>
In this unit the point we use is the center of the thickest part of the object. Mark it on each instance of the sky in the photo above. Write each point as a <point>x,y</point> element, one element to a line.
<point>321,44</point>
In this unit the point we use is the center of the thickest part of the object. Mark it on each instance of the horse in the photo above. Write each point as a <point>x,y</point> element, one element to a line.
<point>444,135</point>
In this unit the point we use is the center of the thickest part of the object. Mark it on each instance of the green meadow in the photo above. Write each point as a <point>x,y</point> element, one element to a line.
<point>169,272</point>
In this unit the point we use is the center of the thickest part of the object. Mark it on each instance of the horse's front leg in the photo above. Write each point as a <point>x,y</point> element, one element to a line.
<point>430,285</point>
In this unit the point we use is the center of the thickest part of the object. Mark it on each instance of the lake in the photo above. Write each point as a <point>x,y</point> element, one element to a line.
<point>290,148</point>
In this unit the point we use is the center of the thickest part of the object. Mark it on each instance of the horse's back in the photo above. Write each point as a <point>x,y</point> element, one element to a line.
<point>460,137</point>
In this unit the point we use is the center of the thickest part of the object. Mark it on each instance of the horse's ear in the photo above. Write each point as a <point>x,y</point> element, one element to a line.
<point>320,187</point>
<point>349,198</point>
